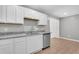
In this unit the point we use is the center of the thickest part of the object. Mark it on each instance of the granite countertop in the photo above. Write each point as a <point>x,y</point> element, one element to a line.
<point>10,33</point>
<point>28,33</point>
<point>6,35</point>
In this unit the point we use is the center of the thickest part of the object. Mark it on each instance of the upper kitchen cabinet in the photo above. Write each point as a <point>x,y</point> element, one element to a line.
<point>43,19</point>
<point>19,15</point>
<point>15,14</point>
<point>29,13</point>
<point>35,14</point>
<point>11,15</point>
<point>2,14</point>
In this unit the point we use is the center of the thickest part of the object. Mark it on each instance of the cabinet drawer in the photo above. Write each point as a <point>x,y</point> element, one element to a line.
<point>20,39</point>
<point>5,41</point>
<point>20,43</point>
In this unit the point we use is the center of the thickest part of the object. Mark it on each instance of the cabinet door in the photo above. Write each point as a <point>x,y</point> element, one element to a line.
<point>6,46</point>
<point>27,12</point>
<point>30,13</point>
<point>19,15</point>
<point>43,20</point>
<point>34,43</point>
<point>34,14</point>
<point>19,46</point>
<point>11,14</point>
<point>2,13</point>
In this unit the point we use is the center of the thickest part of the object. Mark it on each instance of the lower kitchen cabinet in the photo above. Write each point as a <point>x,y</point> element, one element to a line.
<point>34,43</point>
<point>6,46</point>
<point>20,45</point>
<point>20,49</point>
<point>13,46</point>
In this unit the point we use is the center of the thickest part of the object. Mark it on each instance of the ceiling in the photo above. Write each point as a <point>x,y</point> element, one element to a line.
<point>56,10</point>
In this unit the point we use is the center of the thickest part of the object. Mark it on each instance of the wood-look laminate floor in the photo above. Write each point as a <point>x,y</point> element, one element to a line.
<point>61,46</point>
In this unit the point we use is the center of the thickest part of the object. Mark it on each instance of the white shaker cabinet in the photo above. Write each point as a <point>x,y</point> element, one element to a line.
<point>13,46</point>
<point>19,45</point>
<point>27,12</point>
<point>6,46</point>
<point>30,13</point>
<point>34,14</point>
<point>34,43</point>
<point>43,19</point>
<point>19,15</point>
<point>15,14</point>
<point>2,14</point>
<point>11,15</point>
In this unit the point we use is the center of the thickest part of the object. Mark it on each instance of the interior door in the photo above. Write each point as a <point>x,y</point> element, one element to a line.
<point>54,27</point>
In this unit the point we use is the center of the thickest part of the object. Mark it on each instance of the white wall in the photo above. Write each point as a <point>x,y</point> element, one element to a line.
<point>54,27</point>
<point>69,27</point>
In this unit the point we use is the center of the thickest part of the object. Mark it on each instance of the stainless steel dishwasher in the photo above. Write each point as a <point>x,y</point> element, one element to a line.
<point>46,40</point>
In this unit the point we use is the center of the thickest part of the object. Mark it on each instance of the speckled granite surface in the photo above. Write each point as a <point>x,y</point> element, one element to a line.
<point>6,35</point>
<point>12,33</point>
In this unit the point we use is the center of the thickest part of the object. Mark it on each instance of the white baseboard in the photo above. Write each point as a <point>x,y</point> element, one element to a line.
<point>67,39</point>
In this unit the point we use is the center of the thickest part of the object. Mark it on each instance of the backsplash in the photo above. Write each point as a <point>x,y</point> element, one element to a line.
<point>31,24</point>
<point>11,28</point>
<point>27,26</point>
